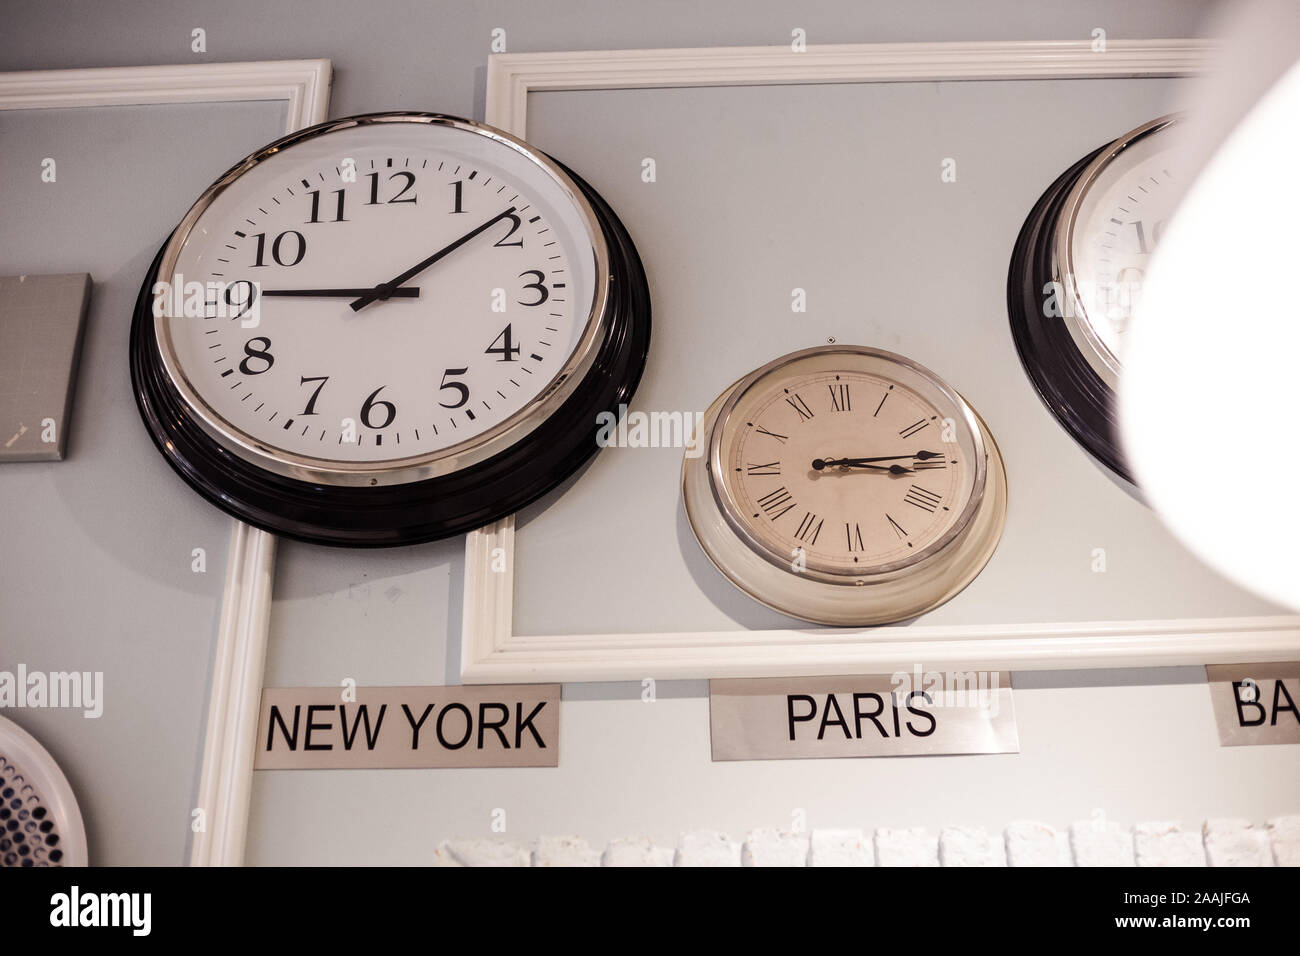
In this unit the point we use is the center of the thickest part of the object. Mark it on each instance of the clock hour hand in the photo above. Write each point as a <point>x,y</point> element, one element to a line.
<point>406,292</point>
<point>388,289</point>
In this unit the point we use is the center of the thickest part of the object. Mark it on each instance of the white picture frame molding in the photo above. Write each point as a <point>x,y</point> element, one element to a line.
<point>303,84</point>
<point>234,697</point>
<point>490,650</point>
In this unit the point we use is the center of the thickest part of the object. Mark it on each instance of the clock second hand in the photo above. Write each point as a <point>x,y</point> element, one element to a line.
<point>387,289</point>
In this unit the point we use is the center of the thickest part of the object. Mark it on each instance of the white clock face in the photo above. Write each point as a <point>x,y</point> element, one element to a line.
<point>1116,227</point>
<point>850,463</point>
<point>364,351</point>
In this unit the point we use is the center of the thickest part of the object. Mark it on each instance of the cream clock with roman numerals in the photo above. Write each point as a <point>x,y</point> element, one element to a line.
<point>846,485</point>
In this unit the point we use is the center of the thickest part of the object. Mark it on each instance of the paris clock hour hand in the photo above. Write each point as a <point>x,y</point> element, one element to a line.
<point>388,289</point>
<point>406,292</point>
<point>821,463</point>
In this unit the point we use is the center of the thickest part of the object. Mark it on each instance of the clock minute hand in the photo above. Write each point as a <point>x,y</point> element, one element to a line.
<point>820,463</point>
<point>406,292</point>
<point>386,289</point>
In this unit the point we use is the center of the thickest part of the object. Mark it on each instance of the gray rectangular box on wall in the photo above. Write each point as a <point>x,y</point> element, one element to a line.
<point>42,319</point>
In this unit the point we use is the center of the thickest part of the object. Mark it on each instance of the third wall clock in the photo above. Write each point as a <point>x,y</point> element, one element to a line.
<point>1076,274</point>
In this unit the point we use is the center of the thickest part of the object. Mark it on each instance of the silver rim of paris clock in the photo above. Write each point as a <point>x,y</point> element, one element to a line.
<point>1103,361</point>
<point>456,457</point>
<point>848,576</point>
<point>860,600</point>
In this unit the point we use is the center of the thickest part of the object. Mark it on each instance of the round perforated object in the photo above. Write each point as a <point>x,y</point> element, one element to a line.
<point>40,823</point>
<point>28,833</point>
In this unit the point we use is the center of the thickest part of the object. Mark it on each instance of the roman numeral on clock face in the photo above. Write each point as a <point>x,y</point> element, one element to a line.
<point>840,397</point>
<point>912,429</point>
<point>777,503</point>
<point>763,431</point>
<point>853,534</point>
<point>898,528</point>
<point>767,468</point>
<point>923,498</point>
<point>809,528</point>
<point>800,406</point>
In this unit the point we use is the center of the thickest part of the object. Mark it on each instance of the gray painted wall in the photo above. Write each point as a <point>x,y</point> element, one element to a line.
<point>88,574</point>
<point>96,550</point>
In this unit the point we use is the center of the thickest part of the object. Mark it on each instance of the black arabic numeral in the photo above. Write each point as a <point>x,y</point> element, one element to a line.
<point>315,207</point>
<point>277,248</point>
<point>311,402</point>
<point>374,188</point>
<point>459,387</point>
<point>245,302</point>
<point>507,349</point>
<point>515,223</point>
<point>262,353</point>
<point>539,284</point>
<point>369,405</point>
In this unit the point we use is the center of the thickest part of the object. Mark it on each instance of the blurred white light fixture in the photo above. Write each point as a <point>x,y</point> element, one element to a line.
<point>1210,397</point>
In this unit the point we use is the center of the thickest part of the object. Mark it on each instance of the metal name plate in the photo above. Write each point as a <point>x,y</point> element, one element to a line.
<point>322,728</point>
<point>42,323</point>
<point>1255,703</point>
<point>880,715</point>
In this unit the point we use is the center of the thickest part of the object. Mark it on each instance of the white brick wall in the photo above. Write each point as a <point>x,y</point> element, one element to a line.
<point>707,848</point>
<point>564,851</point>
<point>1167,844</point>
<point>1030,843</point>
<point>1284,834</point>
<point>841,848</point>
<point>971,846</point>
<point>636,852</point>
<point>1094,842</point>
<point>775,848</point>
<point>1099,842</point>
<point>1236,843</point>
<point>909,846</point>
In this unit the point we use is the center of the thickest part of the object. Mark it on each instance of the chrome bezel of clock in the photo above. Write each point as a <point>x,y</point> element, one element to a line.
<point>1095,351</point>
<point>444,461</point>
<point>834,575</point>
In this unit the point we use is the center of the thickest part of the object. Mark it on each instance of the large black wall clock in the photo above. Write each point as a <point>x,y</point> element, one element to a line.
<point>408,326</point>
<point>1076,273</point>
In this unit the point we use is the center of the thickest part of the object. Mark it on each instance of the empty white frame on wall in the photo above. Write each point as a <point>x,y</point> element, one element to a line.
<point>304,85</point>
<point>235,693</point>
<point>492,652</point>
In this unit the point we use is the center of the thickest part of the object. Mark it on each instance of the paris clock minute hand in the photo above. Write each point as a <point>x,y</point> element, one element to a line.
<point>406,292</point>
<point>386,289</point>
<point>820,463</point>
